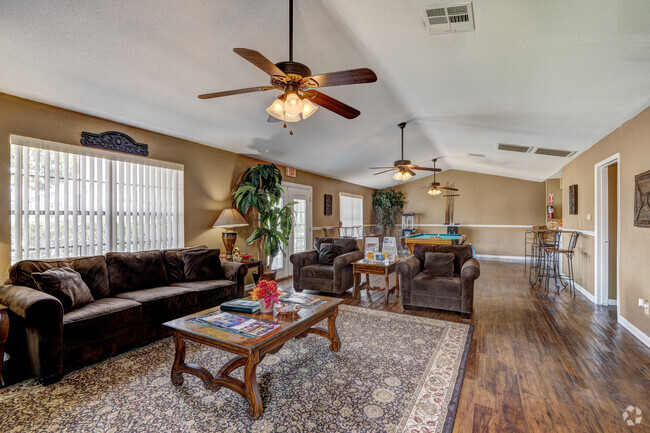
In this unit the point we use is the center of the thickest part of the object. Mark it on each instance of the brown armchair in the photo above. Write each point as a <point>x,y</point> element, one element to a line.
<point>419,288</point>
<point>336,278</point>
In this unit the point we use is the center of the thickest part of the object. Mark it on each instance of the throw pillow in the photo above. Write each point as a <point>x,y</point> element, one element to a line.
<point>202,264</point>
<point>327,253</point>
<point>66,285</point>
<point>439,264</point>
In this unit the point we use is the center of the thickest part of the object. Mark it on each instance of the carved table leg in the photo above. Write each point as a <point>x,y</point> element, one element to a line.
<point>356,278</point>
<point>387,288</point>
<point>367,284</point>
<point>252,389</point>
<point>179,360</point>
<point>333,335</point>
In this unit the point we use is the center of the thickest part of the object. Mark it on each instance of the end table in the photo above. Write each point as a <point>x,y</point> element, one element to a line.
<point>370,267</point>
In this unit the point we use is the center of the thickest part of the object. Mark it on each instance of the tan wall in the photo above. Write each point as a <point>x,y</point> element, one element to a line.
<point>553,187</point>
<point>210,174</point>
<point>484,200</point>
<point>631,141</point>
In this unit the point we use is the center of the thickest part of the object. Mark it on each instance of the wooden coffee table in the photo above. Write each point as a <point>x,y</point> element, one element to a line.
<point>249,351</point>
<point>369,267</point>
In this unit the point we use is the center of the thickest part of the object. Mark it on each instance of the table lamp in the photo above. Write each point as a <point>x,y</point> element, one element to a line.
<point>228,219</point>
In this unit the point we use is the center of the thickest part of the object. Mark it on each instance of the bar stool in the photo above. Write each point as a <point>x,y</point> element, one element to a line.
<point>536,256</point>
<point>569,252</point>
<point>551,252</point>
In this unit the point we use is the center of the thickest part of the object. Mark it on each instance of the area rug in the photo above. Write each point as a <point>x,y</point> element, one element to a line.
<point>394,373</point>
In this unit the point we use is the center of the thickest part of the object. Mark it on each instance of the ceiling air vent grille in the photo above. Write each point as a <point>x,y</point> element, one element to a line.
<point>554,152</point>
<point>449,19</point>
<point>513,148</point>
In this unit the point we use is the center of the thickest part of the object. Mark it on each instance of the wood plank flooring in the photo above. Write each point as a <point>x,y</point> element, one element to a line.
<point>540,363</point>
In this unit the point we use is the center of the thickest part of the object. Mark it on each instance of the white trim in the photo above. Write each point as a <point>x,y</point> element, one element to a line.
<point>500,258</point>
<point>582,290</point>
<point>644,338</point>
<point>297,185</point>
<point>612,302</point>
<point>584,232</point>
<point>347,194</point>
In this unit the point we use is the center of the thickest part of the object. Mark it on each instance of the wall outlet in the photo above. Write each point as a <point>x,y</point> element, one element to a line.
<point>643,303</point>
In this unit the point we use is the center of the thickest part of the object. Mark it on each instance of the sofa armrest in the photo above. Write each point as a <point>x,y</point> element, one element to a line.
<point>236,272</point>
<point>42,318</point>
<point>406,270</point>
<point>299,260</point>
<point>469,272</point>
<point>341,263</point>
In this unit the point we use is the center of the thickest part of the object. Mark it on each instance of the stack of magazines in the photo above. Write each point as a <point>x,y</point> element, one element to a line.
<point>242,325</point>
<point>241,306</point>
<point>305,301</point>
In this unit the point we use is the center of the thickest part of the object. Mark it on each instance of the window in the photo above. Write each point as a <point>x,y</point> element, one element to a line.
<point>351,209</point>
<point>72,201</point>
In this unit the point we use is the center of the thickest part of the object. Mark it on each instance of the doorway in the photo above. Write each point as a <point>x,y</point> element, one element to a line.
<point>607,208</point>
<point>301,233</point>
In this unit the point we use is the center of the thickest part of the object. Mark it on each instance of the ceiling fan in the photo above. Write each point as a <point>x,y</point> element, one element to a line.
<point>299,99</point>
<point>403,166</point>
<point>435,188</point>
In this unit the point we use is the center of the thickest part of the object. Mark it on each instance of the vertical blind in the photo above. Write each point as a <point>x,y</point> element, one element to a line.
<point>351,210</point>
<point>64,203</point>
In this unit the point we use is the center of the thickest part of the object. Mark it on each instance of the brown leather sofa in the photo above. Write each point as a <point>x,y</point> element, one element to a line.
<point>336,278</point>
<point>418,288</point>
<point>134,294</point>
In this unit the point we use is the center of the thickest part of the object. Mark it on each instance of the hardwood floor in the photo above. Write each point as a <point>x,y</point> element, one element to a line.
<point>540,363</point>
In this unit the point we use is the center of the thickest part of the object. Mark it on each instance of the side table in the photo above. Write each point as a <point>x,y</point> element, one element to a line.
<point>374,268</point>
<point>4,333</point>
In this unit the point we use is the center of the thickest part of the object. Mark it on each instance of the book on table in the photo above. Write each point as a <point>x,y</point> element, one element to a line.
<point>242,325</point>
<point>302,300</point>
<point>241,306</point>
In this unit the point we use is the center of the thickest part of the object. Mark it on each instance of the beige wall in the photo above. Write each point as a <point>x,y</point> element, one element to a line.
<point>210,174</point>
<point>631,140</point>
<point>484,200</point>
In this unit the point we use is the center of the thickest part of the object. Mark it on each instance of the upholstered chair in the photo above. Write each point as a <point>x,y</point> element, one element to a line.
<point>446,283</point>
<point>331,270</point>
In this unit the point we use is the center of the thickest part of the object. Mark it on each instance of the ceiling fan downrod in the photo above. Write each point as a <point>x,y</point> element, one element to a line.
<point>291,30</point>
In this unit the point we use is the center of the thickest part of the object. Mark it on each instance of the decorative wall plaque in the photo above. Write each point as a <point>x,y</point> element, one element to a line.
<point>573,200</point>
<point>116,141</point>
<point>642,199</point>
<point>328,204</point>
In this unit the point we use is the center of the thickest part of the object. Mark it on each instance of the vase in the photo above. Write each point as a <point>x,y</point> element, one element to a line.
<point>264,308</point>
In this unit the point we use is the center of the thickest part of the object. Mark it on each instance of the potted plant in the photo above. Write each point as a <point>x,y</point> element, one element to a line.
<point>267,293</point>
<point>388,205</point>
<point>261,189</point>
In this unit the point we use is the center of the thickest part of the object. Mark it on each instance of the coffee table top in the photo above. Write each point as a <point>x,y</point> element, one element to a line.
<point>222,337</point>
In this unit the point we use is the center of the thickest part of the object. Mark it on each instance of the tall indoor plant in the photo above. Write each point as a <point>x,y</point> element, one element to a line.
<point>388,205</point>
<point>261,189</point>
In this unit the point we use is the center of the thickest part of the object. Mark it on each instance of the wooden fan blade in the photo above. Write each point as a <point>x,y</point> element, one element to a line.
<point>382,172</point>
<point>435,170</point>
<point>447,187</point>
<point>379,168</point>
<point>332,104</point>
<point>256,58</point>
<point>340,78</point>
<point>235,92</point>
<point>411,172</point>
<point>452,195</point>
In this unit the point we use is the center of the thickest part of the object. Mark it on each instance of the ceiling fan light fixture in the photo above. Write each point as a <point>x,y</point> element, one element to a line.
<point>406,175</point>
<point>293,104</point>
<point>308,108</point>
<point>291,118</point>
<point>276,109</point>
<point>434,191</point>
<point>398,176</point>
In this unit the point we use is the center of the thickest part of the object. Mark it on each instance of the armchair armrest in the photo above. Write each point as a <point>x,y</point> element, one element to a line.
<point>341,263</point>
<point>42,317</point>
<point>406,270</point>
<point>235,271</point>
<point>469,272</point>
<point>299,260</point>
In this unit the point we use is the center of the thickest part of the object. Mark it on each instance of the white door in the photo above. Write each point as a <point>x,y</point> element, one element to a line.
<point>301,234</point>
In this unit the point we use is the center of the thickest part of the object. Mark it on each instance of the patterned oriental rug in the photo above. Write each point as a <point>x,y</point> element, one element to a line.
<point>394,373</point>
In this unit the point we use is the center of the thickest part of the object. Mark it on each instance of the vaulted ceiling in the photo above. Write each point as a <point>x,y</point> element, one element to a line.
<point>554,74</point>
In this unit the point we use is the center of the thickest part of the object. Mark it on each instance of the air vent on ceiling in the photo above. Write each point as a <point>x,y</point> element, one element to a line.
<point>554,152</point>
<point>478,155</point>
<point>513,148</point>
<point>449,19</point>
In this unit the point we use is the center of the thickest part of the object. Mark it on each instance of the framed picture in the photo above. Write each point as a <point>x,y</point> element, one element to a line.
<point>328,204</point>
<point>642,199</point>
<point>573,200</point>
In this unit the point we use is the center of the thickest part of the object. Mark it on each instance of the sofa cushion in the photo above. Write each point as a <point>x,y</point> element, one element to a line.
<point>462,253</point>
<point>439,264</point>
<point>327,253</point>
<point>442,287</point>
<point>202,264</point>
<point>92,269</point>
<point>210,290</point>
<point>323,272</point>
<point>99,316</point>
<point>174,266</point>
<point>66,285</point>
<point>135,271</point>
<point>347,244</point>
<point>161,301</point>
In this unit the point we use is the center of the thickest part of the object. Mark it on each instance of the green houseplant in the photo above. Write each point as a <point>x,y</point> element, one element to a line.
<point>261,189</point>
<point>387,205</point>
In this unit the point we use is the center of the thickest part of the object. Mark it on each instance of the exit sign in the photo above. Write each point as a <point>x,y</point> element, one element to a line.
<point>291,172</point>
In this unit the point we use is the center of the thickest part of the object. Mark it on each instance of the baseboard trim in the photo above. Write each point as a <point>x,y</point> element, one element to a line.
<point>582,290</point>
<point>500,258</point>
<point>612,302</point>
<point>644,338</point>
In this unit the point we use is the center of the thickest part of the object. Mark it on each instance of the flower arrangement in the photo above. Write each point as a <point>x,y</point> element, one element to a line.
<point>267,290</point>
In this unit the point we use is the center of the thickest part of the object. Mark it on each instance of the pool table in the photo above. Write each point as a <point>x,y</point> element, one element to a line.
<point>433,239</point>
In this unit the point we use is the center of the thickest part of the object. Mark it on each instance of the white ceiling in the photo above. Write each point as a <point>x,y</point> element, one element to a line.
<point>555,73</point>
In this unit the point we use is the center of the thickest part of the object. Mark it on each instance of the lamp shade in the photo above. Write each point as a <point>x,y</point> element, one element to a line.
<point>230,218</point>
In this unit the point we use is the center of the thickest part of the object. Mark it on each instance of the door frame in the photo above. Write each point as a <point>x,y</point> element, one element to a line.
<point>287,269</point>
<point>601,229</point>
